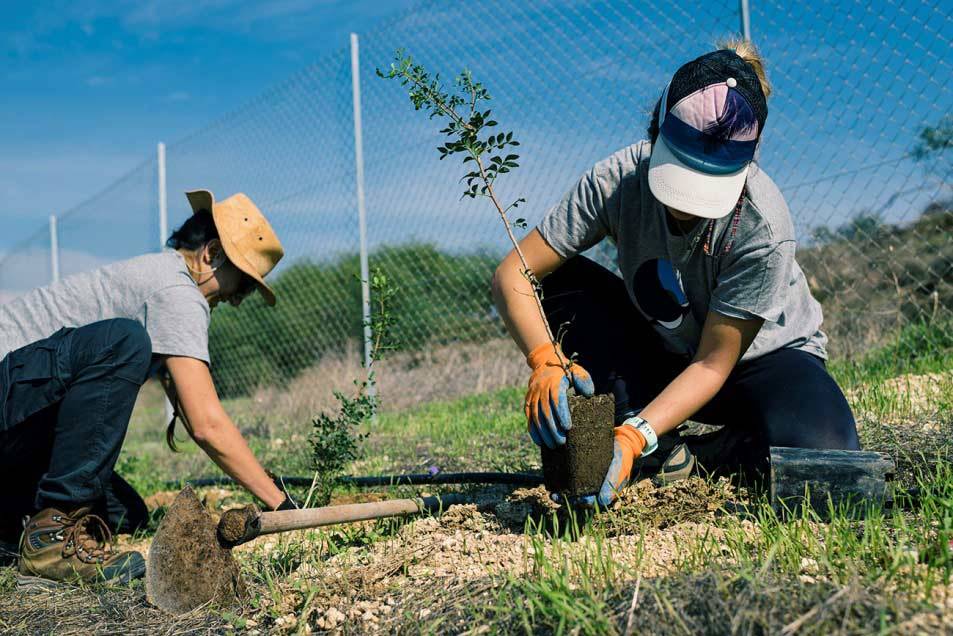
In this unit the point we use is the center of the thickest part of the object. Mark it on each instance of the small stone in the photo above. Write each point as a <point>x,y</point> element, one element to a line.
<point>334,617</point>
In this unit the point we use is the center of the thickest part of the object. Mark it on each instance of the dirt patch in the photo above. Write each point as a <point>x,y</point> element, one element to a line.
<point>466,553</point>
<point>579,467</point>
<point>649,505</point>
<point>186,565</point>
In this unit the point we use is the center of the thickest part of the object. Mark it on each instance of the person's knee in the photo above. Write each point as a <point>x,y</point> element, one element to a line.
<point>832,429</point>
<point>132,347</point>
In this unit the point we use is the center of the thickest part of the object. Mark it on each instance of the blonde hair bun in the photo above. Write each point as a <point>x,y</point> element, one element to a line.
<point>750,54</point>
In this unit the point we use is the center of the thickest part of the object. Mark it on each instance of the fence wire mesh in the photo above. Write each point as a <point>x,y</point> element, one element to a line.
<point>857,139</point>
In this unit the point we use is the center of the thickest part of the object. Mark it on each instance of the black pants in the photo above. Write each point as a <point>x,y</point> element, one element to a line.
<point>65,404</point>
<point>784,398</point>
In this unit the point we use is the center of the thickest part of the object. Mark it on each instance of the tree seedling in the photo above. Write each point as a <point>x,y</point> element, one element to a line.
<point>336,439</point>
<point>472,134</point>
<point>485,148</point>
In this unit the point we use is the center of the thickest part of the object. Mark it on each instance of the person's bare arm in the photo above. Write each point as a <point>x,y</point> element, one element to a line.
<point>723,341</point>
<point>213,430</point>
<point>513,294</point>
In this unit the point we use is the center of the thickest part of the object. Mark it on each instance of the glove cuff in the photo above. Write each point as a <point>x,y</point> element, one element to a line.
<point>630,439</point>
<point>544,354</point>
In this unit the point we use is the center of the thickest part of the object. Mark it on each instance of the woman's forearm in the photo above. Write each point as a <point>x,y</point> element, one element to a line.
<point>513,296</point>
<point>225,446</point>
<point>683,397</point>
<point>513,293</point>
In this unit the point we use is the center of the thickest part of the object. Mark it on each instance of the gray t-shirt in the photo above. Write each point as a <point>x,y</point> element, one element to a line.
<point>669,277</point>
<point>155,290</point>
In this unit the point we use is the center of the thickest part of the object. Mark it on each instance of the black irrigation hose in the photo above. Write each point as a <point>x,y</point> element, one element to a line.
<point>518,479</point>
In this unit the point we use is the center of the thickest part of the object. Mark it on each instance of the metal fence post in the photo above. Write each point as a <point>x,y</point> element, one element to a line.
<point>54,249</point>
<point>361,217</point>
<point>745,20</point>
<point>163,210</point>
<point>163,234</point>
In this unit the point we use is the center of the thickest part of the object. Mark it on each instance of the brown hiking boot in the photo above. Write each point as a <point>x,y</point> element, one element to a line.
<point>72,548</point>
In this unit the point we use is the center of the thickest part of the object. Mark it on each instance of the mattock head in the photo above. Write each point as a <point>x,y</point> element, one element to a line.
<point>187,565</point>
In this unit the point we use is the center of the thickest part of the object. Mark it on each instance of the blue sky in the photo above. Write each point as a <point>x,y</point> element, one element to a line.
<point>256,97</point>
<point>89,86</point>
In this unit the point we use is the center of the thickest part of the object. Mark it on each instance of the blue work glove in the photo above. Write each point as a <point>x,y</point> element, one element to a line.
<point>547,401</point>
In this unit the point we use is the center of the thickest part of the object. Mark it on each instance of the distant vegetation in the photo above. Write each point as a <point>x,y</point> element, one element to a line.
<point>443,297</point>
<point>873,278</point>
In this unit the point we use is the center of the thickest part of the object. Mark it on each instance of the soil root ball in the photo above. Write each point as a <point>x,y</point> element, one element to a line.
<point>578,467</point>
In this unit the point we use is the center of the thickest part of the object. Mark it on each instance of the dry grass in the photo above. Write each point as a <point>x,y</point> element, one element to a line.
<point>403,380</point>
<point>74,611</point>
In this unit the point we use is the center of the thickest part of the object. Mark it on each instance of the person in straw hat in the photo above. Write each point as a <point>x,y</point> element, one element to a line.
<point>74,356</point>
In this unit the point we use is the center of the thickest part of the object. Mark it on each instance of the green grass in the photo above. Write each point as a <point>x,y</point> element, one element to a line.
<point>764,571</point>
<point>479,432</point>
<point>845,575</point>
<point>918,348</point>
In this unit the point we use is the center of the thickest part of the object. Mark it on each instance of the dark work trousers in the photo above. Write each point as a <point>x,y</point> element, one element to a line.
<point>65,403</point>
<point>783,398</point>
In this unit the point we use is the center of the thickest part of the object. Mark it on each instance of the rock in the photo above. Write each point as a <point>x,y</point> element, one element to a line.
<point>332,618</point>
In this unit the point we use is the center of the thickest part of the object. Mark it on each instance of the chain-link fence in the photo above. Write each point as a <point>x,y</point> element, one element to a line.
<point>857,139</point>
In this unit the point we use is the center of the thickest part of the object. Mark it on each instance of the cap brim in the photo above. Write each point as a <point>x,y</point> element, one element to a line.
<point>691,191</point>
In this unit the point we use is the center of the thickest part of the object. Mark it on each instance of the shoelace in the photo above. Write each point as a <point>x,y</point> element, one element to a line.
<point>80,534</point>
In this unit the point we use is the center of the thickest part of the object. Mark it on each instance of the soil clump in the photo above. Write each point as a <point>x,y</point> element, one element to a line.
<point>578,467</point>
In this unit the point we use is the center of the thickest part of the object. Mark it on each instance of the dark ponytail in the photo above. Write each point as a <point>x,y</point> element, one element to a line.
<point>197,230</point>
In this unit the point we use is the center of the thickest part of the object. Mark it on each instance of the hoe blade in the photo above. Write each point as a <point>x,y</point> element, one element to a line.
<point>187,567</point>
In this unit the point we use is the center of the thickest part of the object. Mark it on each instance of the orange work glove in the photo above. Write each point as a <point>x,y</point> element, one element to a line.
<point>547,399</point>
<point>627,447</point>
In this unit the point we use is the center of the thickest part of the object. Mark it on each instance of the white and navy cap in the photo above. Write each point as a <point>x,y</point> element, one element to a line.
<point>710,119</point>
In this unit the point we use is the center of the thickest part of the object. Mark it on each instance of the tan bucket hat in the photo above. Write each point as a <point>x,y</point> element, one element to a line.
<point>249,242</point>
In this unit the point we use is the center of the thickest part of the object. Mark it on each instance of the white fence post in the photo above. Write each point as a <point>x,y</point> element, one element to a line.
<point>361,218</point>
<point>163,210</point>
<point>163,235</point>
<point>54,249</point>
<point>745,20</point>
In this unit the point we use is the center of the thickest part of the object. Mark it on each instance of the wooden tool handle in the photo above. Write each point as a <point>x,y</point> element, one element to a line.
<point>241,526</point>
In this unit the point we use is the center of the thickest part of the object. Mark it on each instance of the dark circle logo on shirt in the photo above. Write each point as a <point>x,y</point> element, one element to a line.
<point>657,287</point>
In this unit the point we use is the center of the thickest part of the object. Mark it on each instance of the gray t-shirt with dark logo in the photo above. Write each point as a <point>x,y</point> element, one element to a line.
<point>155,290</point>
<point>669,277</point>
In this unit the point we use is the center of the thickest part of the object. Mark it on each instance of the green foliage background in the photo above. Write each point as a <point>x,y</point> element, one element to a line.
<point>443,297</point>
